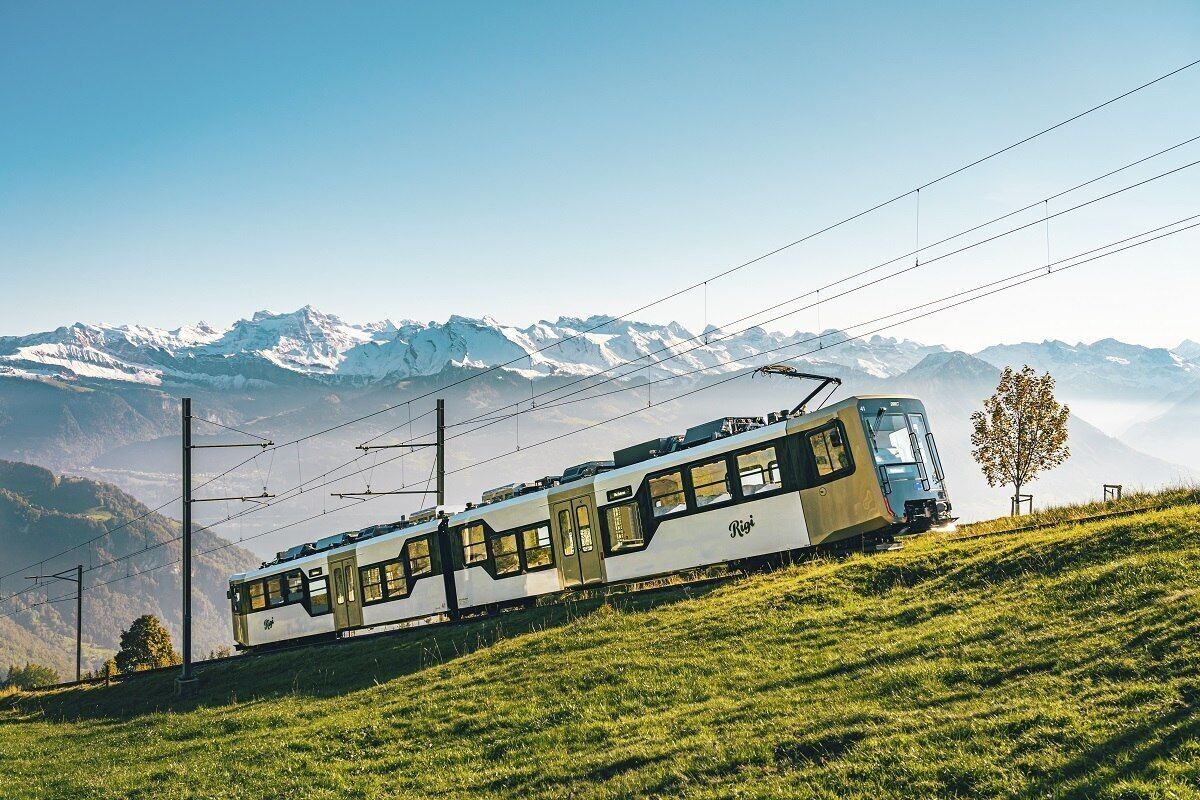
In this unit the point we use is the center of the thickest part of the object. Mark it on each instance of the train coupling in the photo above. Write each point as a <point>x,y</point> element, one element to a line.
<point>921,515</point>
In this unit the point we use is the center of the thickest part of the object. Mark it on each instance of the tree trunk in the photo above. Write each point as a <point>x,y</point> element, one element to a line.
<point>1016,502</point>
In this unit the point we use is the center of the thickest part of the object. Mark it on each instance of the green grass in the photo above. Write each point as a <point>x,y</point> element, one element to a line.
<point>1056,663</point>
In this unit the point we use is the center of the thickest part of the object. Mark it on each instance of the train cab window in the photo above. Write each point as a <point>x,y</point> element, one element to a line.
<point>710,483</point>
<point>566,532</point>
<point>318,596</point>
<point>474,544</point>
<point>624,527</point>
<point>666,494</point>
<point>275,591</point>
<point>584,518</point>
<point>759,471</point>
<point>293,587</point>
<point>536,542</point>
<point>372,584</point>
<point>393,573</point>
<point>258,598</point>
<point>504,551</point>
<point>890,438</point>
<point>828,449</point>
<point>419,561</point>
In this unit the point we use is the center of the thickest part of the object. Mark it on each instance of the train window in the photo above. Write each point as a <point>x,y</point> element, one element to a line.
<point>536,542</point>
<point>829,451</point>
<point>275,591</point>
<point>584,518</point>
<point>710,483</point>
<point>419,561</point>
<point>624,527</point>
<point>293,587</point>
<point>889,438</point>
<point>318,596</point>
<point>666,494</point>
<point>474,544</point>
<point>372,584</point>
<point>258,598</point>
<point>759,471</point>
<point>393,572</point>
<point>564,530</point>
<point>339,585</point>
<point>504,550</point>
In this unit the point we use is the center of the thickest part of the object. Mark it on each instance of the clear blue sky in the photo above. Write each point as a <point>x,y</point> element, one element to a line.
<point>162,163</point>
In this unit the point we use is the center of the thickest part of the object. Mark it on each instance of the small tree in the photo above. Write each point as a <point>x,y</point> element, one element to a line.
<point>30,676</point>
<point>1022,430</point>
<point>146,645</point>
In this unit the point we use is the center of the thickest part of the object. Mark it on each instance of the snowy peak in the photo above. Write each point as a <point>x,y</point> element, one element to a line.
<point>1103,365</point>
<point>308,344</point>
<point>1187,350</point>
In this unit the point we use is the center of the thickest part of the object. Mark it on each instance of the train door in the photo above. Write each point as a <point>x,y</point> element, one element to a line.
<point>578,539</point>
<point>347,602</point>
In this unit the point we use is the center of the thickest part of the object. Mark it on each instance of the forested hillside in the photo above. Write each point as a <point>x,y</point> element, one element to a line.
<point>42,514</point>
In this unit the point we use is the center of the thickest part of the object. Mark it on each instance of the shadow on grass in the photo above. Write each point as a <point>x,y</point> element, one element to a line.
<point>1127,756</point>
<point>326,670</point>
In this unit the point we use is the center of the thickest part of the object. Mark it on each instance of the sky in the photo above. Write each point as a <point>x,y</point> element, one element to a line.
<point>162,164</point>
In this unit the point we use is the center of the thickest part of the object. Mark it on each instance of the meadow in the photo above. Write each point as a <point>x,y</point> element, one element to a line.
<point>1059,662</point>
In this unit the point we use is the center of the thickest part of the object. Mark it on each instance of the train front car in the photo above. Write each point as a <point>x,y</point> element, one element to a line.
<point>907,465</point>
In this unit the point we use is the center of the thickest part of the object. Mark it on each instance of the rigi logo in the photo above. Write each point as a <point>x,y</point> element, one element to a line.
<point>268,623</point>
<point>740,527</point>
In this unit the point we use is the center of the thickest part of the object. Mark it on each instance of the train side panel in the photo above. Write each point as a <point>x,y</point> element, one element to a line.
<point>770,525</point>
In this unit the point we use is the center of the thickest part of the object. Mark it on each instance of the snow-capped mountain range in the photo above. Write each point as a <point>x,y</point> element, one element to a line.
<point>275,348</point>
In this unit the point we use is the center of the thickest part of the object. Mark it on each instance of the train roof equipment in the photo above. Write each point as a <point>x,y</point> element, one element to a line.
<point>789,371</point>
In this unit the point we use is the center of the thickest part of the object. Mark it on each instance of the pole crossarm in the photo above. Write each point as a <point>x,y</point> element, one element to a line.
<point>366,447</point>
<point>369,493</point>
<point>244,498</point>
<point>60,576</point>
<point>263,445</point>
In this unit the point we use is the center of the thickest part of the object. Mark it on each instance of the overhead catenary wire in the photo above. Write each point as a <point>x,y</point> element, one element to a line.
<point>737,267</point>
<point>676,353</point>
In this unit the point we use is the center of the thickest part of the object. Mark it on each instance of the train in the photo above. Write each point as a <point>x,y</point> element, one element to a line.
<point>738,491</point>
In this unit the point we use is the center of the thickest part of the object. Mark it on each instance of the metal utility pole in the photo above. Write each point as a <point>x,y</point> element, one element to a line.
<point>186,674</point>
<point>186,538</point>
<point>439,444</point>
<point>76,579</point>
<point>441,452</point>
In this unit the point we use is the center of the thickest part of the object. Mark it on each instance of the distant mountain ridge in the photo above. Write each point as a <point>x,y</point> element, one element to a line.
<point>271,348</point>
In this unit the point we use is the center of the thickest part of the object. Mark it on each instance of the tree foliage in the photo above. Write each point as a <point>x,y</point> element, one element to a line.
<point>146,645</point>
<point>30,676</point>
<point>1022,430</point>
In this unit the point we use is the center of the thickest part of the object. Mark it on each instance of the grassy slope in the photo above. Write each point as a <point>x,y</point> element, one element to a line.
<point>1055,663</point>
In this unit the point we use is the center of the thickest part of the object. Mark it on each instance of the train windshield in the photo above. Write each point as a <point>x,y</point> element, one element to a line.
<point>903,446</point>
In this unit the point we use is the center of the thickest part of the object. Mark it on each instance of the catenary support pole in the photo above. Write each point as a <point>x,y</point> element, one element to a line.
<point>186,646</point>
<point>79,622</point>
<point>441,452</point>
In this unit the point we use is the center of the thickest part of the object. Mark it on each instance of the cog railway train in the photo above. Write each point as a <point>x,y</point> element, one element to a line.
<point>735,491</point>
